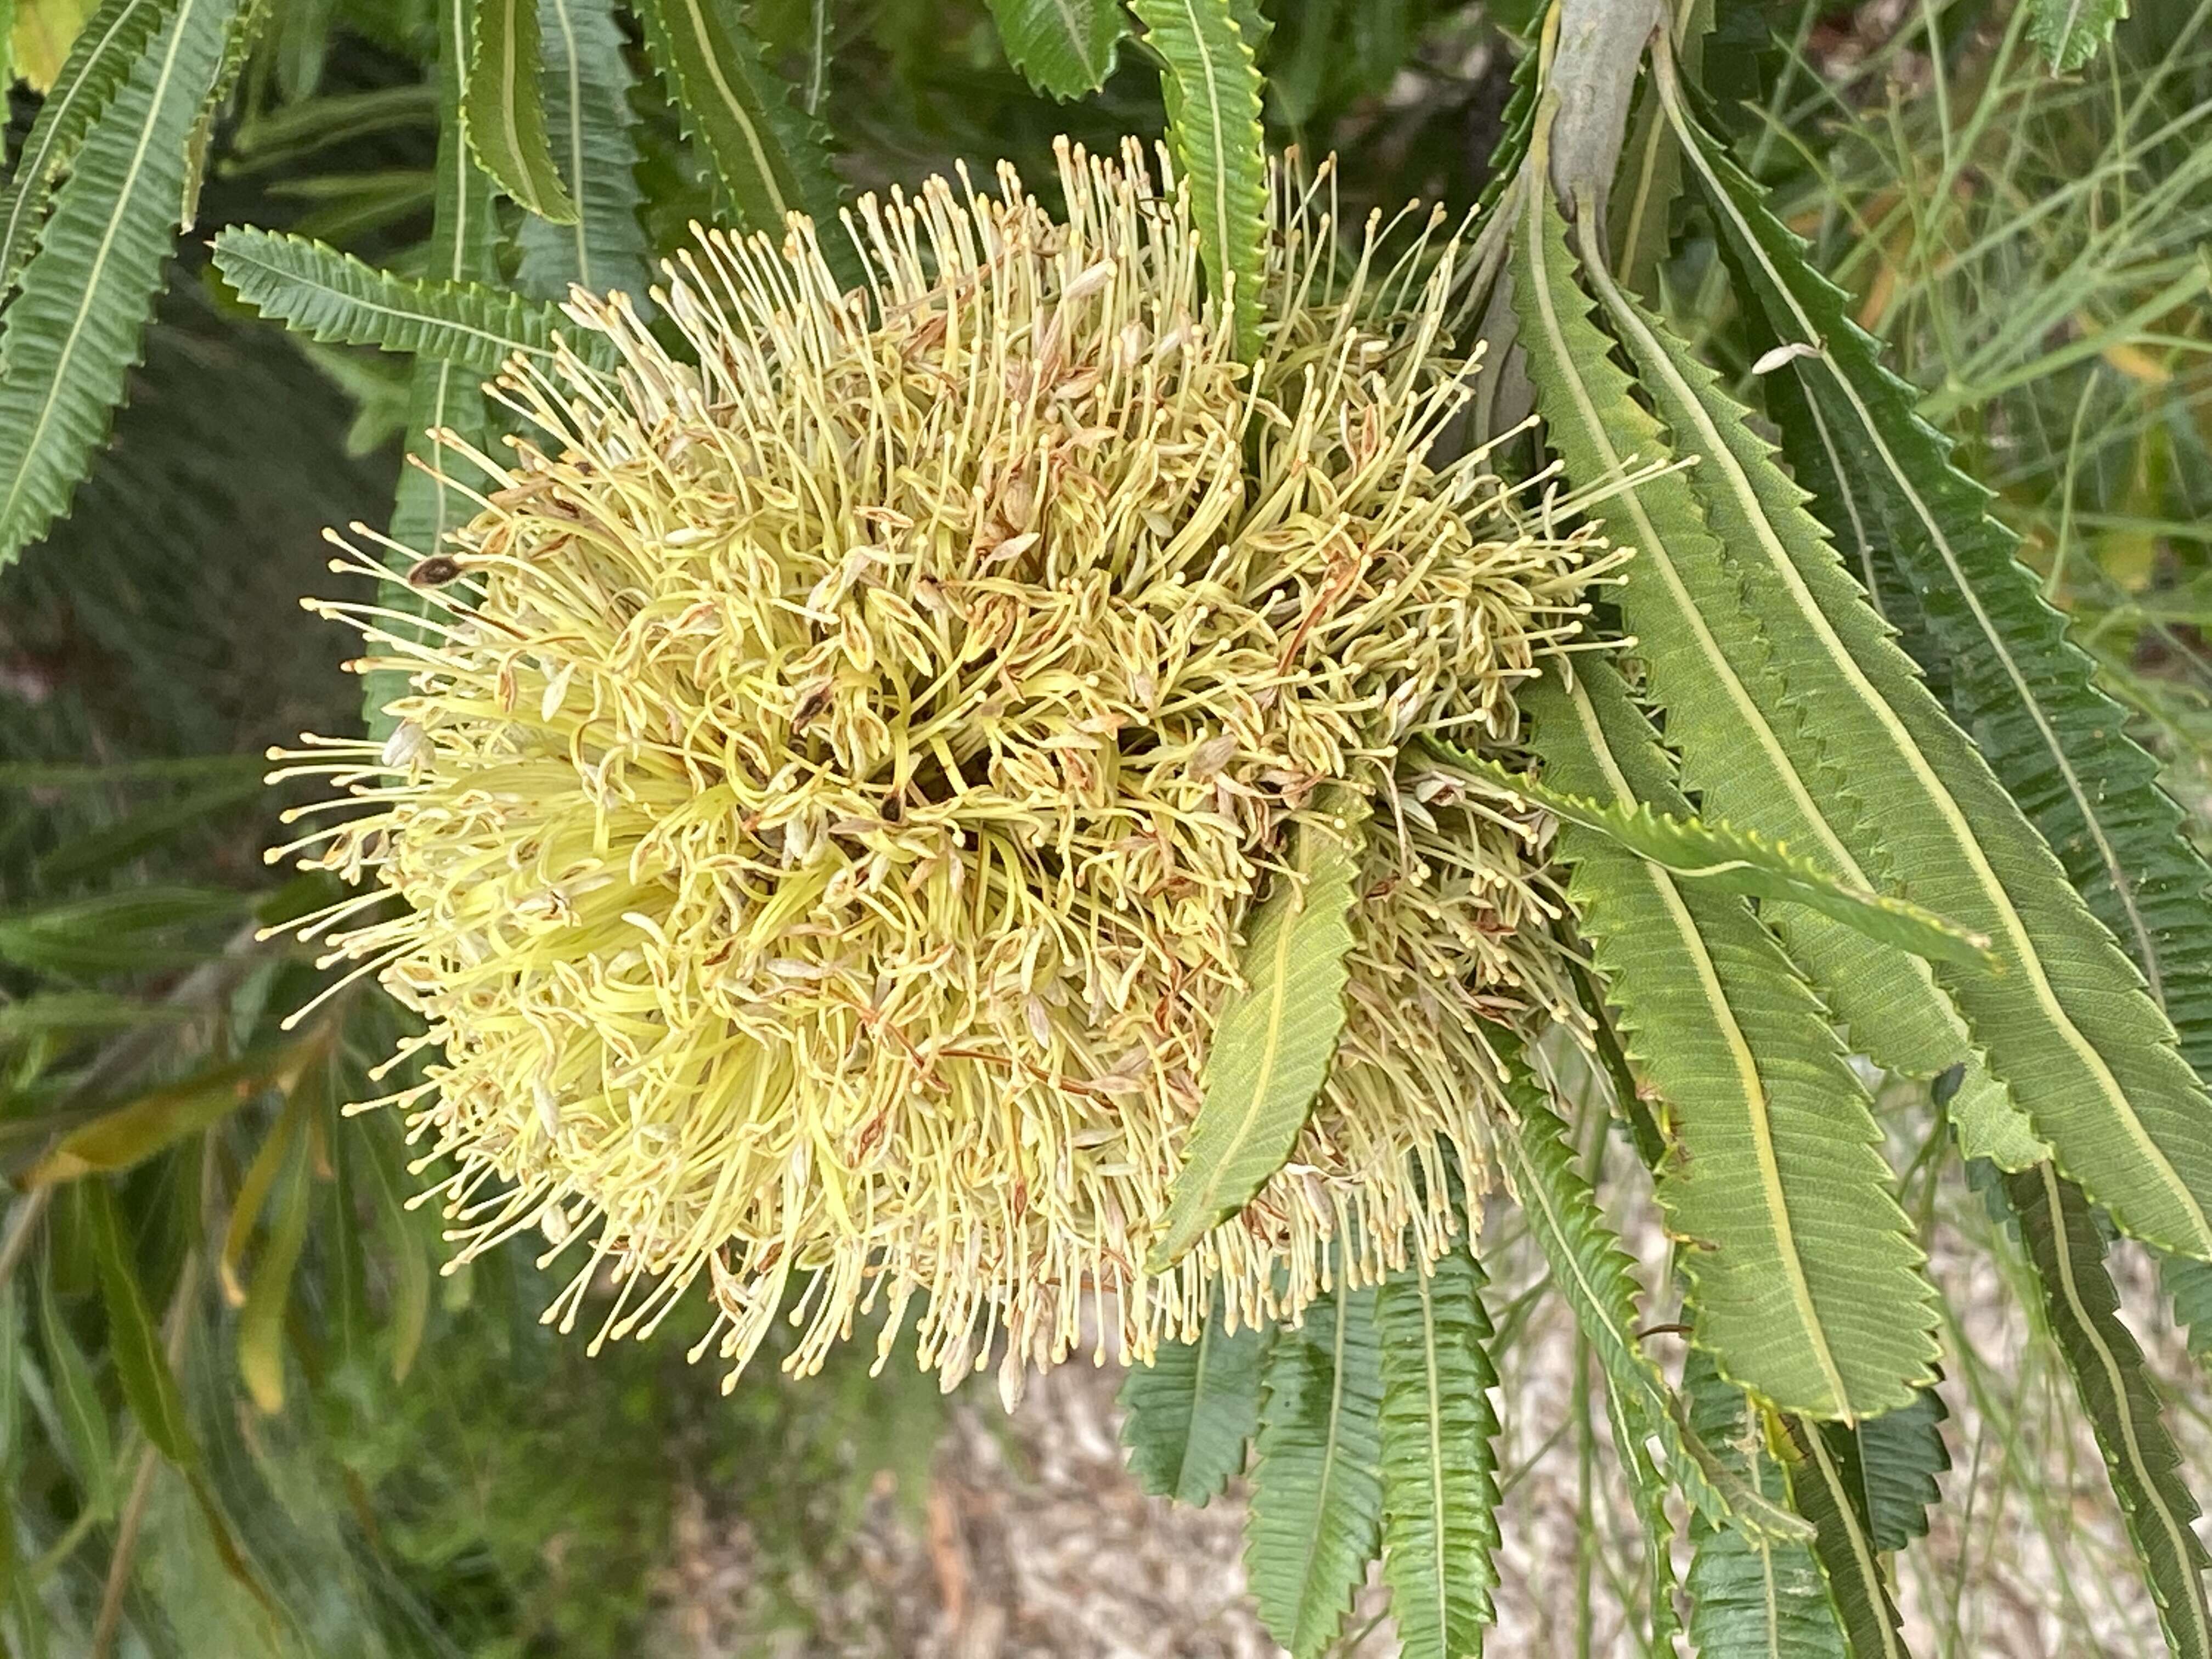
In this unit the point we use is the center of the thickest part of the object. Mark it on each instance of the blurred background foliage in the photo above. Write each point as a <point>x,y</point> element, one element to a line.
<point>240,1410</point>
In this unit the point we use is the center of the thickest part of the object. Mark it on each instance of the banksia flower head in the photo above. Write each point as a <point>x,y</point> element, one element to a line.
<point>831,792</point>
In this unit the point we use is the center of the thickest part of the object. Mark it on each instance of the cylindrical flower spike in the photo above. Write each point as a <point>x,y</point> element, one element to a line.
<point>831,793</point>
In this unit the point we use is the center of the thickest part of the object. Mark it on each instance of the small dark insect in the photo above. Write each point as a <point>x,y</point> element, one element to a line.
<point>434,572</point>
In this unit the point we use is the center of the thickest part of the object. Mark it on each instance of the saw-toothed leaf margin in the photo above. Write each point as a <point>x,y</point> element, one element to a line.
<point>1064,48</point>
<point>503,108</point>
<point>1807,1285</point>
<point>1190,1413</point>
<point>1439,1467</point>
<point>1272,1044</point>
<point>334,297</point>
<point>1316,1515</point>
<point>587,114</point>
<point>2028,694</point>
<point>2057,1230</point>
<point>75,328</point>
<point>1212,90</point>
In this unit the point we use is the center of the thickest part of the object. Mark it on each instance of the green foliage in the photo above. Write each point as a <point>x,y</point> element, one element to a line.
<point>1889,1466</point>
<point>1317,1491</point>
<point>1439,1467</point>
<point>1066,47</point>
<point>1191,1413</point>
<point>503,108</point>
<point>1808,1287</point>
<point>334,297</point>
<point>72,331</point>
<point>1751,1598</point>
<point>1212,91</point>
<point>2072,32</point>
<point>1844,1544</point>
<point>1272,1043</point>
<point>587,104</point>
<point>2058,1232</point>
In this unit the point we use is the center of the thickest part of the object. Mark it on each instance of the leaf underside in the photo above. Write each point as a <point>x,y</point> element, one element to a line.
<point>1189,1414</point>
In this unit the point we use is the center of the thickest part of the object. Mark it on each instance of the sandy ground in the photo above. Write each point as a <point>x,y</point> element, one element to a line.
<point>1032,1542</point>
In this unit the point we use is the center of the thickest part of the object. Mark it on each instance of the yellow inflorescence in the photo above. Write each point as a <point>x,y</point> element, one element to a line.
<point>827,804</point>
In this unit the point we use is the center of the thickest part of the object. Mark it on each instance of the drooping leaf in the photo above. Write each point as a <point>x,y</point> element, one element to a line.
<point>335,298</point>
<point>2081,1306</point>
<point>149,1387</point>
<point>1746,757</point>
<point>587,83</point>
<point>1843,1544</point>
<point>1064,47</point>
<point>261,1321</point>
<point>503,108</point>
<point>1272,1044</point>
<point>101,60</point>
<point>1439,1467</point>
<point>2010,675</point>
<point>73,331</point>
<point>1806,1281</point>
<point>139,1127</point>
<point>1316,1515</point>
<point>2190,1284</point>
<point>1717,857</point>
<point>1596,1277</point>
<point>1890,1464</point>
<point>768,159</point>
<point>1212,89</point>
<point>405,1251</point>
<point>2085,1053</point>
<point>1751,1598</point>
<point>77,1397</point>
<point>1190,1413</point>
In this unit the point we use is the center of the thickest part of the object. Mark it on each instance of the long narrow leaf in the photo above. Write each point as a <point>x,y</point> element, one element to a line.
<point>1806,1282</point>
<point>2058,1232</point>
<point>503,108</point>
<point>1273,1043</point>
<point>1439,1469</point>
<point>1316,1516</point>
<point>337,298</point>
<point>148,1385</point>
<point>588,108</point>
<point>1212,91</point>
<point>74,330</point>
<point>1065,47</point>
<point>107,49</point>
<point>1844,1546</point>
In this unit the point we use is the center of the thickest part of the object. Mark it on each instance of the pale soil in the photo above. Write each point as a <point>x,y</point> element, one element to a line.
<point>1032,1542</point>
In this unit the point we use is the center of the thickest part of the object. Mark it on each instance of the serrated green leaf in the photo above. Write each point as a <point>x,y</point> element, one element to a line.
<point>1439,1467</point>
<point>1746,757</point>
<point>503,108</point>
<point>149,1387</point>
<point>2190,1284</point>
<point>1842,1546</point>
<point>2008,672</point>
<point>1316,1514</point>
<point>2065,1025</point>
<point>73,331</point>
<point>101,60</point>
<point>1212,90</point>
<point>587,110</point>
<point>1274,1039</point>
<point>1189,1414</point>
<point>441,396</point>
<point>1064,48</point>
<point>1806,1282</point>
<point>1890,1464</point>
<point>1751,1598</point>
<point>2072,32</point>
<point>337,298</point>
<point>1596,1277</point>
<point>2058,1232</point>
<point>768,159</point>
<point>1717,857</point>
<point>77,1396</point>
